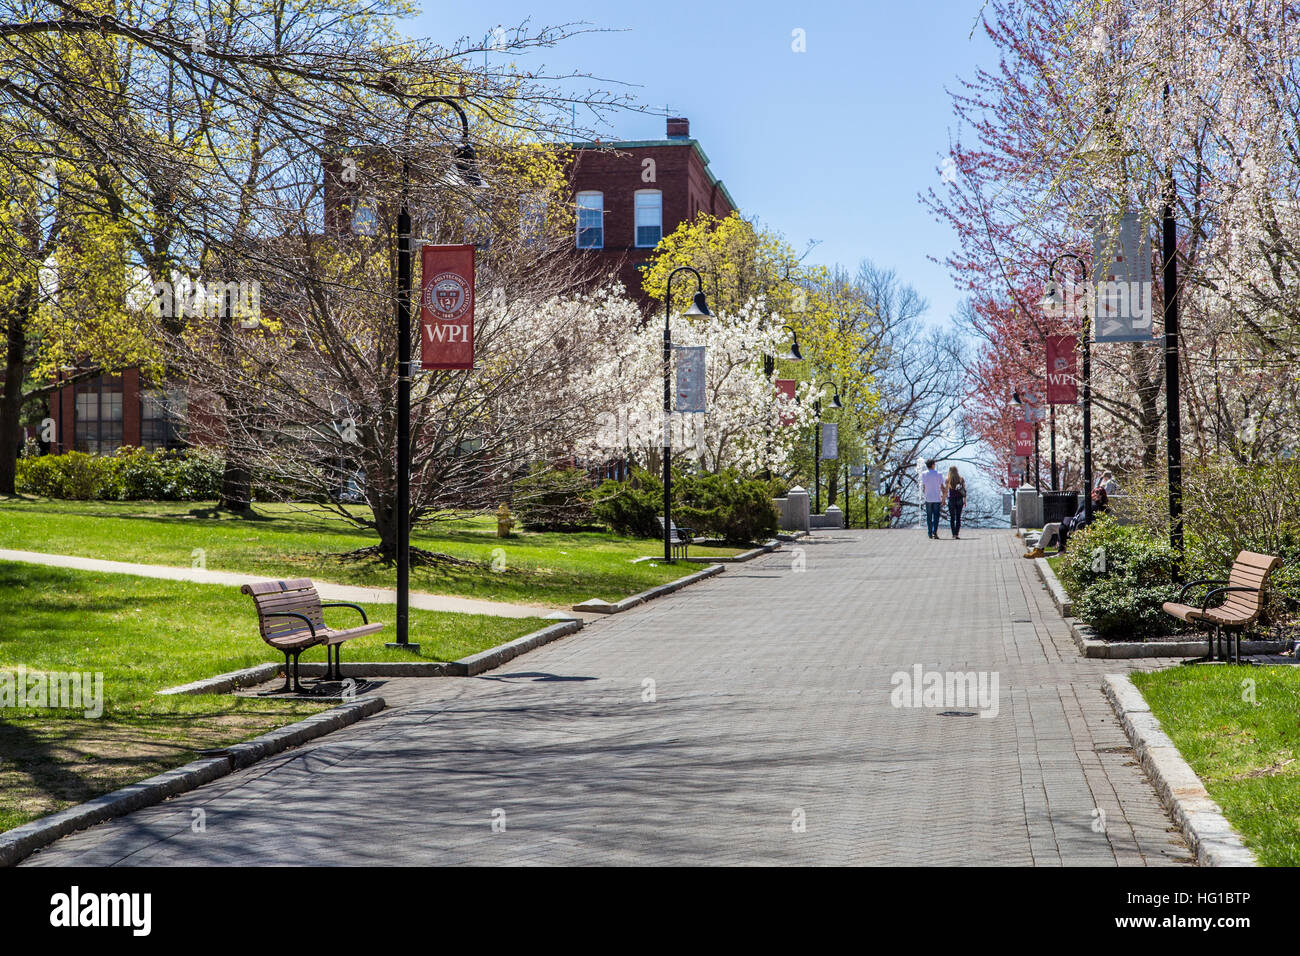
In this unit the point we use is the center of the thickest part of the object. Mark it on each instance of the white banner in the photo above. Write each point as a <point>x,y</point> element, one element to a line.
<point>830,441</point>
<point>1121,275</point>
<point>690,378</point>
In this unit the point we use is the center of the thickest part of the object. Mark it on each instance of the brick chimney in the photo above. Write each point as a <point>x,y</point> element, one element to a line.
<point>679,127</point>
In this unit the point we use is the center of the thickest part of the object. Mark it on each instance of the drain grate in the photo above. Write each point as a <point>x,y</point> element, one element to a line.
<point>957,713</point>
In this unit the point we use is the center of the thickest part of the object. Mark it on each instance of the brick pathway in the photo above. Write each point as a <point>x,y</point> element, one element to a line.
<point>772,706</point>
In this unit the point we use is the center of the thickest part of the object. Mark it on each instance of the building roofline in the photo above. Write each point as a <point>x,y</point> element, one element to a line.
<point>644,143</point>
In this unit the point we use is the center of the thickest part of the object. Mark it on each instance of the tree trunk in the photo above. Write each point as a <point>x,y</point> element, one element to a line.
<point>236,481</point>
<point>11,405</point>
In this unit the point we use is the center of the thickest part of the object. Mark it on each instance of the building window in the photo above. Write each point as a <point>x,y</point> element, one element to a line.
<point>365,219</point>
<point>99,415</point>
<point>591,220</point>
<point>649,218</point>
<point>162,419</point>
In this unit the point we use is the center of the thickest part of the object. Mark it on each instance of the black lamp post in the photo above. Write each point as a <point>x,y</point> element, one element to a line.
<point>817,454</point>
<point>699,306</point>
<point>466,162</point>
<point>769,368</point>
<point>1051,299</point>
<point>769,361</point>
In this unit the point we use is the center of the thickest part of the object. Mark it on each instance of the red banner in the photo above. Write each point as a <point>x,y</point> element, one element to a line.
<point>447,307</point>
<point>1013,476</point>
<point>1024,439</point>
<point>1062,367</point>
<point>786,386</point>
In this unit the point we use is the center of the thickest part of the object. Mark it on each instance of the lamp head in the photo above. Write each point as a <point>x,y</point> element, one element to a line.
<point>699,305</point>
<point>1053,297</point>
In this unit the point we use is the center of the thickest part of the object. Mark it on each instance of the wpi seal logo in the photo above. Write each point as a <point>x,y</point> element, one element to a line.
<point>447,296</point>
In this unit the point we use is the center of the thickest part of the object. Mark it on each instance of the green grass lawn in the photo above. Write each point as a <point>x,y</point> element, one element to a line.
<point>144,634</point>
<point>555,570</point>
<point>1246,751</point>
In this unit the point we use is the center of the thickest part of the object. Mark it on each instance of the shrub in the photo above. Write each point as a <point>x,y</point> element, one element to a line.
<point>129,474</point>
<point>1117,610</point>
<point>551,499</point>
<point>1119,577</point>
<point>73,475</point>
<point>630,507</point>
<point>724,505</point>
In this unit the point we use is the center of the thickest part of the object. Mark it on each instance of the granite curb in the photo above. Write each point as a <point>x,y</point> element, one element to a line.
<point>21,842</point>
<point>1201,820</point>
<point>465,667</point>
<point>750,555</point>
<point>597,606</point>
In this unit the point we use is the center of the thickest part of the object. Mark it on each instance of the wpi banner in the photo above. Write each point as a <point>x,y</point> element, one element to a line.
<point>1024,439</point>
<point>447,307</point>
<point>1062,386</point>
<point>786,386</point>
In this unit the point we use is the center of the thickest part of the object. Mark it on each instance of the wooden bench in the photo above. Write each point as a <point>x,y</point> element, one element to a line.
<point>680,538</point>
<point>291,618</point>
<point>1243,599</point>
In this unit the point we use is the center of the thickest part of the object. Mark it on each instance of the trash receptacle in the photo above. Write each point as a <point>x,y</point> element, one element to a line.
<point>1059,504</point>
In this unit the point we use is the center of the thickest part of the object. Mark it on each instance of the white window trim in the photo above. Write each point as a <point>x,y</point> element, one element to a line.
<point>636,208</point>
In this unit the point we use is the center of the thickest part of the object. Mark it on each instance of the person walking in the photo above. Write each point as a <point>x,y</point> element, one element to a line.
<point>954,489</point>
<point>932,487</point>
<point>1108,483</point>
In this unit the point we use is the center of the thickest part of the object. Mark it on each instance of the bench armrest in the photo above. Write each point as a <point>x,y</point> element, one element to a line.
<point>301,617</point>
<point>1209,597</point>
<point>685,533</point>
<point>355,607</point>
<point>1192,584</point>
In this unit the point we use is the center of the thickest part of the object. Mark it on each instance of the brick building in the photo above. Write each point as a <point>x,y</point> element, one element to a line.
<point>628,195</point>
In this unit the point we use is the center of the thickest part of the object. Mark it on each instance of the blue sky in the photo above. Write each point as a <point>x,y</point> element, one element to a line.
<point>832,144</point>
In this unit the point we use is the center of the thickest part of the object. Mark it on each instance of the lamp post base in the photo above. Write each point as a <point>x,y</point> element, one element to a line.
<point>410,646</point>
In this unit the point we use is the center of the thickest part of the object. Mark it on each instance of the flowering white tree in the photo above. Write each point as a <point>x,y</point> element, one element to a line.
<point>747,424</point>
<point>1099,108</point>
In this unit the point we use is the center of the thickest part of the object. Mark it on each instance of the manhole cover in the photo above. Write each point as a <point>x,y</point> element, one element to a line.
<point>957,713</point>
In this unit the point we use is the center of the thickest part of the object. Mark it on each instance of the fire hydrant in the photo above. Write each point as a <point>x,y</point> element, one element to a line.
<point>504,521</point>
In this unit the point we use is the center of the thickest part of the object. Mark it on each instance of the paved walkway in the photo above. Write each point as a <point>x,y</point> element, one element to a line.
<point>330,592</point>
<point>771,707</point>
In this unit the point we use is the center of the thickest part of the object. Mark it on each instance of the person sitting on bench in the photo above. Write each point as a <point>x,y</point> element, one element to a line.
<point>1077,521</point>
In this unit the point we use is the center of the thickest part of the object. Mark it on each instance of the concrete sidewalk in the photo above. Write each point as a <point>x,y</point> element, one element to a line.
<point>330,592</point>
<point>751,719</point>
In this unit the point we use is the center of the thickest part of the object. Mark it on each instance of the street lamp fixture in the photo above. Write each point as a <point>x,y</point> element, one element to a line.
<point>466,163</point>
<point>699,306</point>
<point>795,355</point>
<point>817,453</point>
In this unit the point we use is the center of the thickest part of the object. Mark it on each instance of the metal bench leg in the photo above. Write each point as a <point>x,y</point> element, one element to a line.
<point>1208,657</point>
<point>286,688</point>
<point>297,686</point>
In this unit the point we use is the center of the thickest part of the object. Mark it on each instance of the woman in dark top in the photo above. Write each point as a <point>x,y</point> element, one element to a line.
<point>955,490</point>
